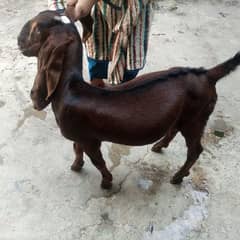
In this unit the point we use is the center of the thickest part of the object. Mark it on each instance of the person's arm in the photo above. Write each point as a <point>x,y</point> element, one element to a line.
<point>56,5</point>
<point>77,9</point>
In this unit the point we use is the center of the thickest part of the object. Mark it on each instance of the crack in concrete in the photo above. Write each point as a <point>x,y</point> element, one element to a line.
<point>89,226</point>
<point>2,104</point>
<point>209,152</point>
<point>110,193</point>
<point>121,183</point>
<point>144,156</point>
<point>92,197</point>
<point>103,223</point>
<point>30,112</point>
<point>98,225</point>
<point>19,94</point>
<point>116,151</point>
<point>2,145</point>
<point>1,160</point>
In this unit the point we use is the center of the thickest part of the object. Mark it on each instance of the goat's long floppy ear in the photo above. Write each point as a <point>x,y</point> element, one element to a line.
<point>51,59</point>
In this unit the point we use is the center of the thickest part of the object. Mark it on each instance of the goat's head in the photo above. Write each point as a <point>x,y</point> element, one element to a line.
<point>36,31</point>
<point>50,46</point>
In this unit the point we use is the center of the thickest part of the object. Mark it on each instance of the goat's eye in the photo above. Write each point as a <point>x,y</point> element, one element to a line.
<point>38,32</point>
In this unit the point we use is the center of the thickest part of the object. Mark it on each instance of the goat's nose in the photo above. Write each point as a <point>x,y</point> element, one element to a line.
<point>31,93</point>
<point>19,40</point>
<point>20,44</point>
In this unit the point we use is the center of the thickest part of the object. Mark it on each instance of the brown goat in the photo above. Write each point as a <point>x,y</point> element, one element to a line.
<point>151,107</point>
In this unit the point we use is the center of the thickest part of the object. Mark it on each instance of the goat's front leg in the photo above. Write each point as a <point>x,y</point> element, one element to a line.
<point>92,149</point>
<point>78,162</point>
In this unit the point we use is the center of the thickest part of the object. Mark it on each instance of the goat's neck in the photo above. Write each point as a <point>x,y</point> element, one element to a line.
<point>61,94</point>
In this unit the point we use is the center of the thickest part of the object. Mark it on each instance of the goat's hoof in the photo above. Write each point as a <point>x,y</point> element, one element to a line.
<point>178,177</point>
<point>77,167</point>
<point>176,180</point>
<point>106,185</point>
<point>157,149</point>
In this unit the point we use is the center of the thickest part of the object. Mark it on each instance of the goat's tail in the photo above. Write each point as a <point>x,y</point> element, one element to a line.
<point>223,69</point>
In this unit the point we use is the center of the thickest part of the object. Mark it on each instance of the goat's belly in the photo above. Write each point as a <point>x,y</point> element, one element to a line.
<point>137,130</point>
<point>133,141</point>
<point>128,135</point>
<point>135,136</point>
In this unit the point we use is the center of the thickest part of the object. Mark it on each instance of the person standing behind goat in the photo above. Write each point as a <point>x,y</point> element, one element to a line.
<point>119,36</point>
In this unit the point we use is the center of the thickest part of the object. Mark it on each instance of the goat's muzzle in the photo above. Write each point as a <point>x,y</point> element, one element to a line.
<point>39,103</point>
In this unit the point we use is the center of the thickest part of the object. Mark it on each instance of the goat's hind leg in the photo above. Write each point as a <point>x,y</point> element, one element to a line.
<point>192,133</point>
<point>92,149</point>
<point>194,150</point>
<point>192,137</point>
<point>78,162</point>
<point>164,142</point>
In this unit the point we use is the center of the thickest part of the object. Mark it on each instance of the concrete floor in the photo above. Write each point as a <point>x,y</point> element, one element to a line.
<point>40,198</point>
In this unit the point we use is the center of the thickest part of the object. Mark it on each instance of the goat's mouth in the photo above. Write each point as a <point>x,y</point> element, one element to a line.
<point>40,105</point>
<point>26,52</point>
<point>30,51</point>
<point>28,48</point>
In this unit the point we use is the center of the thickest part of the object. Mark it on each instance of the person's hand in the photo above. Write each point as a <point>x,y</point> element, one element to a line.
<point>71,2</point>
<point>77,9</point>
<point>70,12</point>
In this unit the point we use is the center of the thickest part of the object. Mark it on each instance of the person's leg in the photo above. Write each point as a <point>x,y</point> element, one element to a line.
<point>130,74</point>
<point>98,70</point>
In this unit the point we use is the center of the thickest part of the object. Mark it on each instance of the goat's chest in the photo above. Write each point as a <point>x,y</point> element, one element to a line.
<point>73,125</point>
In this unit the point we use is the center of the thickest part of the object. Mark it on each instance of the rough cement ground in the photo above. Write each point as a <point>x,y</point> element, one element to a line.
<point>40,198</point>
